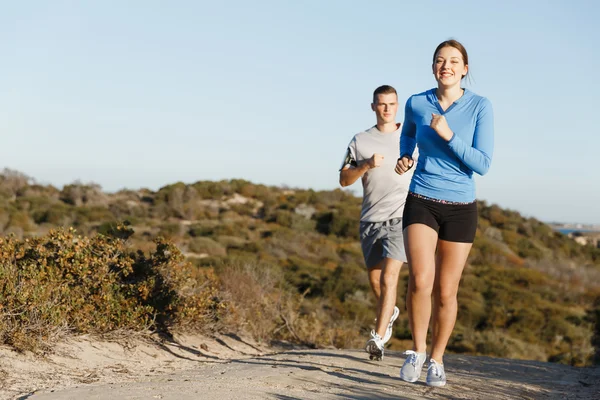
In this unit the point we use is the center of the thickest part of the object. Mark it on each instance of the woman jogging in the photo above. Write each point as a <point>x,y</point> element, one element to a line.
<point>453,129</point>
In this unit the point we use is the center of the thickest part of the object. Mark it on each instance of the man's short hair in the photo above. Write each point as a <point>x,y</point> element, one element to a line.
<point>384,89</point>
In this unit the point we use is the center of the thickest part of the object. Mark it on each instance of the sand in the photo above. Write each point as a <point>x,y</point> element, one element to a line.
<point>231,367</point>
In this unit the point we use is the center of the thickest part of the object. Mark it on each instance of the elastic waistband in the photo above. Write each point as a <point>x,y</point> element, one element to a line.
<point>456,203</point>
<point>389,222</point>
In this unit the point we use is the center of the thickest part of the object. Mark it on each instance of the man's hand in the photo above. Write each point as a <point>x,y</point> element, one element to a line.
<point>404,164</point>
<point>440,125</point>
<point>375,161</point>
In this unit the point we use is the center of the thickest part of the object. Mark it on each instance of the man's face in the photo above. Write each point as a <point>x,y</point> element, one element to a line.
<point>386,107</point>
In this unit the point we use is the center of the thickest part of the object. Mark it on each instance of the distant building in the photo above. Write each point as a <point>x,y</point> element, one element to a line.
<point>583,238</point>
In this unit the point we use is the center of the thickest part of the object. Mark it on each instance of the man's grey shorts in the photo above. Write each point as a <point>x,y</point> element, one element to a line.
<point>381,240</point>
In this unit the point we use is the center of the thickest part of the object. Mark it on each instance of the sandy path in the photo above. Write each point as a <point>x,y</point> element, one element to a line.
<point>336,374</point>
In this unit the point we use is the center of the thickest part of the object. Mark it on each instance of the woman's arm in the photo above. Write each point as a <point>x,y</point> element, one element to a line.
<point>408,136</point>
<point>477,157</point>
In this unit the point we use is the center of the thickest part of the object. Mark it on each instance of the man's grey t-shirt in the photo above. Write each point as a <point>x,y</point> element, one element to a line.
<point>384,191</point>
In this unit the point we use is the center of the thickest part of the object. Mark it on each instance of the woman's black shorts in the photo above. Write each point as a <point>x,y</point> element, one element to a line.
<point>454,222</point>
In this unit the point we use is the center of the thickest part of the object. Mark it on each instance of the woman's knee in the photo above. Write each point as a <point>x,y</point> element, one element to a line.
<point>446,296</point>
<point>421,283</point>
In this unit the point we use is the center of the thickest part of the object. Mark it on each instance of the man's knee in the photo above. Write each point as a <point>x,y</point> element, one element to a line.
<point>389,280</point>
<point>375,279</point>
<point>376,286</point>
<point>390,274</point>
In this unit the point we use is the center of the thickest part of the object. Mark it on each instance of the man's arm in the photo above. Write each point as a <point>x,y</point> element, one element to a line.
<point>350,174</point>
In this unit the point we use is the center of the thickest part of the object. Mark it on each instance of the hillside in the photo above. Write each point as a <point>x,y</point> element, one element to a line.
<point>285,265</point>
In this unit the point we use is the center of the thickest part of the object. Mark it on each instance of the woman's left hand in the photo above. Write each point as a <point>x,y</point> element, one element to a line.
<point>439,124</point>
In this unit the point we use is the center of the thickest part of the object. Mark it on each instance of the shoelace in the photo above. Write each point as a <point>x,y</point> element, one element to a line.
<point>413,357</point>
<point>374,335</point>
<point>377,340</point>
<point>433,366</point>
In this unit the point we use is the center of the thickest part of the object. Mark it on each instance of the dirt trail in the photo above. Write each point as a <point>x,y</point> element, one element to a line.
<point>228,367</point>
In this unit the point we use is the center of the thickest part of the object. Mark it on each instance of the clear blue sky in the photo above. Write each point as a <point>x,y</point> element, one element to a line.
<point>133,94</point>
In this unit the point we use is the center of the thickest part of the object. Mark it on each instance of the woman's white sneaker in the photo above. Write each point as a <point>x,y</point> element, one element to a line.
<point>435,374</point>
<point>411,369</point>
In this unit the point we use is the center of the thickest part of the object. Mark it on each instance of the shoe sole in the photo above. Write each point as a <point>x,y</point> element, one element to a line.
<point>436,384</point>
<point>408,380</point>
<point>374,352</point>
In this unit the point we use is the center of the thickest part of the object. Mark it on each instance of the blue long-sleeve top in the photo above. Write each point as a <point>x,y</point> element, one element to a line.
<point>444,170</point>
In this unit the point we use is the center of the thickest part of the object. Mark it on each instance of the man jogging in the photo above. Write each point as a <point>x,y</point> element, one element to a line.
<point>372,155</point>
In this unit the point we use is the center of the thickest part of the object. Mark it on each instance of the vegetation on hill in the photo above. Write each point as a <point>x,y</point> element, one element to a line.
<point>277,263</point>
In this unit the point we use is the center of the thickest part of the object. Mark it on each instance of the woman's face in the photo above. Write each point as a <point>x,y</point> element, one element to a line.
<point>449,67</point>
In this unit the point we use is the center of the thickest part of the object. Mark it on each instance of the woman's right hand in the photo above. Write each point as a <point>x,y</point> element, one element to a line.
<point>404,164</point>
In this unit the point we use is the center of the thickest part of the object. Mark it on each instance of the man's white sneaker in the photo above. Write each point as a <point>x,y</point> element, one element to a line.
<point>374,347</point>
<point>390,328</point>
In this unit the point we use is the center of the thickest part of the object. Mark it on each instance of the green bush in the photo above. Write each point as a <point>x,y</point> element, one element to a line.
<point>206,245</point>
<point>63,283</point>
<point>170,230</point>
<point>341,222</point>
<point>232,242</point>
<point>57,214</point>
<point>20,219</point>
<point>205,228</point>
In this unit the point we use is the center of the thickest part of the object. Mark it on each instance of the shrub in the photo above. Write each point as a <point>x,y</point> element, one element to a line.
<point>341,222</point>
<point>262,303</point>
<point>56,214</point>
<point>20,219</point>
<point>78,194</point>
<point>232,242</point>
<point>170,230</point>
<point>64,283</point>
<point>205,228</point>
<point>207,246</point>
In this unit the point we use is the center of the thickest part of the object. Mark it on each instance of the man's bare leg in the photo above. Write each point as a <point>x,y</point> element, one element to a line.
<point>375,282</point>
<point>389,287</point>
